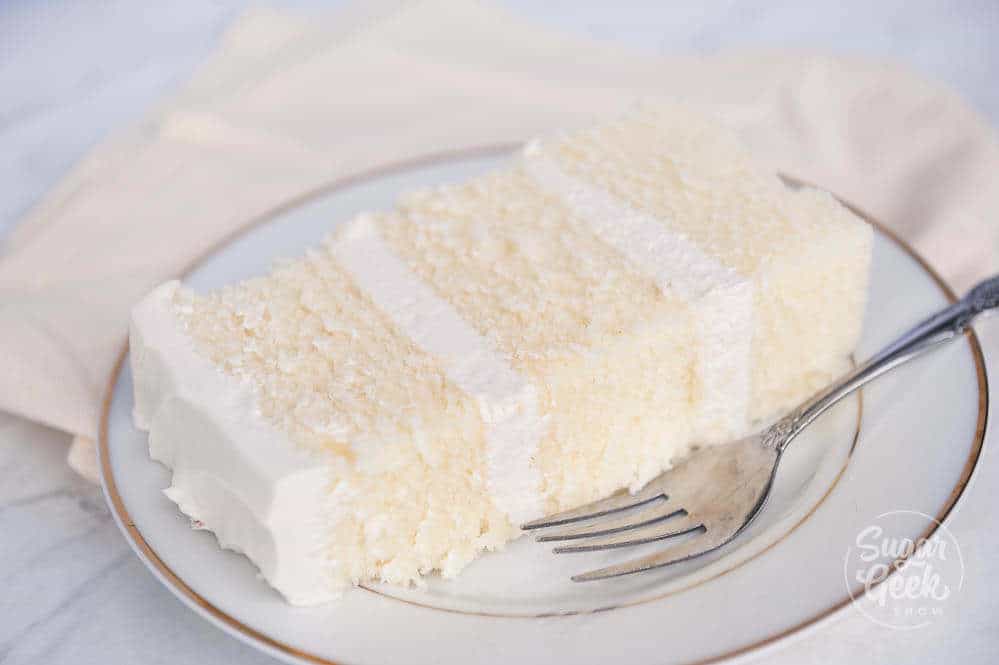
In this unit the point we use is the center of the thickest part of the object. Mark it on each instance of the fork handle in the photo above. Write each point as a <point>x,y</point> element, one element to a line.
<point>945,325</point>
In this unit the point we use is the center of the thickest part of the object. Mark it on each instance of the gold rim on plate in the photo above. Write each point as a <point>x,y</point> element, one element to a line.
<point>230,623</point>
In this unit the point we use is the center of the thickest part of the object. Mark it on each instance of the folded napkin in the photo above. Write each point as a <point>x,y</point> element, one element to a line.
<point>288,103</point>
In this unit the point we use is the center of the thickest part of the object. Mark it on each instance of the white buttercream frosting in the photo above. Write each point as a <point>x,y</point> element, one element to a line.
<point>721,299</point>
<point>232,471</point>
<point>507,402</point>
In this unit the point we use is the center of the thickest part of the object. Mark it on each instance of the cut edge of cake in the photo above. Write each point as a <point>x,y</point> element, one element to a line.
<point>501,431</point>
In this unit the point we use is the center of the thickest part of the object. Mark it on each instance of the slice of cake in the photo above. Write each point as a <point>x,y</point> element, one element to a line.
<point>401,398</point>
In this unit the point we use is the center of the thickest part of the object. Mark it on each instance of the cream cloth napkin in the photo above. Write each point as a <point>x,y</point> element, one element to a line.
<point>288,103</point>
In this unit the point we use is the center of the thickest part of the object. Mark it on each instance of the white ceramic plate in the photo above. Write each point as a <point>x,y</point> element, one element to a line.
<point>909,443</point>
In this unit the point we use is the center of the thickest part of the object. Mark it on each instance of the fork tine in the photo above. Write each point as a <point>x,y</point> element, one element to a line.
<point>660,530</point>
<point>649,513</point>
<point>612,504</point>
<point>682,552</point>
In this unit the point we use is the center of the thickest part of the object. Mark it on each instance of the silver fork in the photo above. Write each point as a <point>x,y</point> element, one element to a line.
<point>718,490</point>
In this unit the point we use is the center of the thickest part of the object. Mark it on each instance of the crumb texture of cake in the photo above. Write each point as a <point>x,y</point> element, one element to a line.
<point>569,312</point>
<point>405,395</point>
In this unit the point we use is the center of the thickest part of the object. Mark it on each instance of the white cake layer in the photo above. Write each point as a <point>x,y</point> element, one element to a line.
<point>314,521</point>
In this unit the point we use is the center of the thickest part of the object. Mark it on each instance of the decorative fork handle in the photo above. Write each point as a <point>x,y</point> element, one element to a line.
<point>939,328</point>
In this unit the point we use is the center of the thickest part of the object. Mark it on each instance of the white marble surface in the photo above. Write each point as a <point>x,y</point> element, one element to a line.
<point>70,72</point>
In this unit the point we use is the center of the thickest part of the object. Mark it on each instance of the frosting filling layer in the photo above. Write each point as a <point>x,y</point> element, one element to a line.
<point>722,299</point>
<point>507,402</point>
